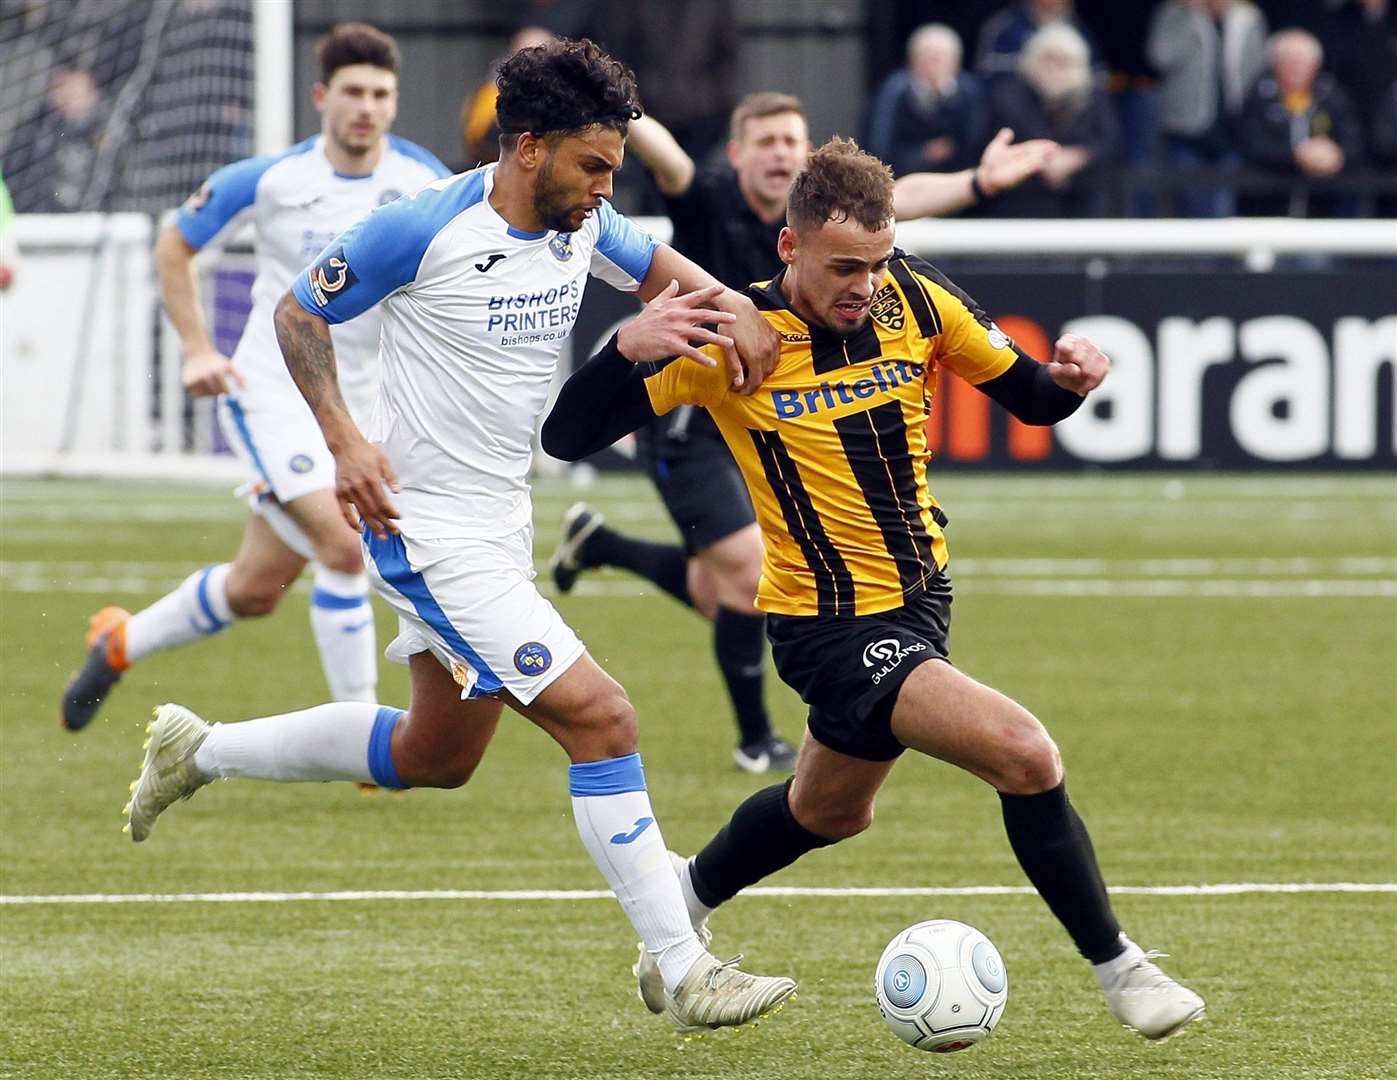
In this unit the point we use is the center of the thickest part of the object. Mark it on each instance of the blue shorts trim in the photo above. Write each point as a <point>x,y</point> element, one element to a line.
<point>240,421</point>
<point>390,558</point>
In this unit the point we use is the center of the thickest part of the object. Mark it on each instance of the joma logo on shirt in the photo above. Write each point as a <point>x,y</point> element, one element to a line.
<point>884,378</point>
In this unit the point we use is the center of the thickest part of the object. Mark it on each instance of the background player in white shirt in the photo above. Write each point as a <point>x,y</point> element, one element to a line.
<point>479,278</point>
<point>299,200</point>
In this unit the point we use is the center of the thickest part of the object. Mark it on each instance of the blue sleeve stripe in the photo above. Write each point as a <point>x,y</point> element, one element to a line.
<point>625,245</point>
<point>390,558</point>
<point>215,623</point>
<point>324,598</point>
<point>381,766</point>
<point>418,153</point>
<point>227,193</point>
<point>614,776</point>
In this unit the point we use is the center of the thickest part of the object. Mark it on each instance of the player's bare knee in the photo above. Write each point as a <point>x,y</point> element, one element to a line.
<point>1030,763</point>
<point>835,822</point>
<point>343,556</point>
<point>605,727</point>
<point>250,598</point>
<point>451,774</point>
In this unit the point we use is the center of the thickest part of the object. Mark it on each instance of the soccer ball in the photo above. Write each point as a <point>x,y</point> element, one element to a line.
<point>941,986</point>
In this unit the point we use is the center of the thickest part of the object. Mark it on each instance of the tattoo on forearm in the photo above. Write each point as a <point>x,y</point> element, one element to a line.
<point>310,357</point>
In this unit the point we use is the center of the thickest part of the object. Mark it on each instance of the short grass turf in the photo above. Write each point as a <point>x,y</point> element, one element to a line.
<point>1211,737</point>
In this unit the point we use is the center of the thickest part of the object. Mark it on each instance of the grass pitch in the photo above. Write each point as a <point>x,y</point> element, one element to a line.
<point>1214,655</point>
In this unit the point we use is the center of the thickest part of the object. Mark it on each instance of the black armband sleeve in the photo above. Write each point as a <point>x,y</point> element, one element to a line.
<point>601,401</point>
<point>1029,393</point>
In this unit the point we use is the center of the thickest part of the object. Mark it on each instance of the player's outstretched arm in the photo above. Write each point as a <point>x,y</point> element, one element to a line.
<point>1048,393</point>
<point>205,370</point>
<point>361,469</point>
<point>756,344</point>
<point>606,398</point>
<point>672,168</point>
<point>1005,164</point>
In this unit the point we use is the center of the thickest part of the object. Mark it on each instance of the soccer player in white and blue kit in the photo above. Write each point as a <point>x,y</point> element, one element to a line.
<point>479,278</point>
<point>298,200</point>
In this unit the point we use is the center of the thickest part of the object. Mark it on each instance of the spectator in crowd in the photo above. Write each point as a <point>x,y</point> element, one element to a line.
<point>52,153</point>
<point>1055,96</point>
<point>684,54</point>
<point>1004,35</point>
<point>1360,45</point>
<point>1299,122</point>
<point>1208,54</point>
<point>1382,147</point>
<point>930,114</point>
<point>480,133</point>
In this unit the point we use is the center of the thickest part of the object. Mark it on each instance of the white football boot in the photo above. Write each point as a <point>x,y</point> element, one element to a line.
<point>647,972</point>
<point>1145,999</point>
<point>716,993</point>
<point>168,773</point>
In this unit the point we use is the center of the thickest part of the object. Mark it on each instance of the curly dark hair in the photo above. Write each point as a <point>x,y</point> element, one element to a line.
<point>562,88</point>
<point>839,182</point>
<point>355,43</point>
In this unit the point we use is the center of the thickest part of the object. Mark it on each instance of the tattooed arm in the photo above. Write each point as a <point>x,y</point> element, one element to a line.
<point>361,469</point>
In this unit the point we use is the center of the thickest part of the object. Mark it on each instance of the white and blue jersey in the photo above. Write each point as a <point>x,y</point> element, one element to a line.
<point>299,203</point>
<point>474,314</point>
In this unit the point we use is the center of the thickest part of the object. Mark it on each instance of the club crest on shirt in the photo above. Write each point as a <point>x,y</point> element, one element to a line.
<point>533,658</point>
<point>887,308</point>
<point>330,277</point>
<point>561,246</point>
<point>388,195</point>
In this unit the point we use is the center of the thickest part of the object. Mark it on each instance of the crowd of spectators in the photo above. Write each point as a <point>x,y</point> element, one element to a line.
<point>1235,116</point>
<point>1193,108</point>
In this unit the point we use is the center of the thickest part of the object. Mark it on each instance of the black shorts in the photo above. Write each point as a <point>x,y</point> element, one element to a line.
<point>849,670</point>
<point>700,484</point>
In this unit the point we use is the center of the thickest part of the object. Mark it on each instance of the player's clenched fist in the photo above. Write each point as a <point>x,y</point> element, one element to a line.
<point>1077,364</point>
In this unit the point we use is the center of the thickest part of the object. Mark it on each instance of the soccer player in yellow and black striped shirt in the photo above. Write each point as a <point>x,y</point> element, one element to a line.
<point>833,449</point>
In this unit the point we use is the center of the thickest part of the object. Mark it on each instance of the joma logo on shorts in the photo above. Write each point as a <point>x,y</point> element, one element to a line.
<point>890,653</point>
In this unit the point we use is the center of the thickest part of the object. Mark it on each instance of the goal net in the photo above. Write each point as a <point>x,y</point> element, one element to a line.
<point>111,113</point>
<point>121,104</point>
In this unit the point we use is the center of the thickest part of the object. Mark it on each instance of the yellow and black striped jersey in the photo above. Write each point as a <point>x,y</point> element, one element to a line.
<point>833,444</point>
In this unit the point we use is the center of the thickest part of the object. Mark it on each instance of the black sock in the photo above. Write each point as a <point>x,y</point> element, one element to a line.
<point>761,838</point>
<point>1055,852</point>
<point>666,565</point>
<point>739,642</point>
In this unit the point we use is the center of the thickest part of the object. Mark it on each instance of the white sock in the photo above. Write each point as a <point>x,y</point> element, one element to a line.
<point>197,609</point>
<point>343,623</point>
<point>345,740</point>
<point>1109,971</point>
<point>619,830</point>
<point>698,910</point>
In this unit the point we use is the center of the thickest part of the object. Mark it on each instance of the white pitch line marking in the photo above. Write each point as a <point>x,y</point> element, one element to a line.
<point>1226,889</point>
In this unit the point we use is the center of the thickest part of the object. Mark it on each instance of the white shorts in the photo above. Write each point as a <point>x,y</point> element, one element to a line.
<point>472,603</point>
<point>279,441</point>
